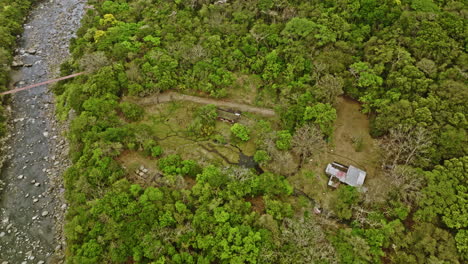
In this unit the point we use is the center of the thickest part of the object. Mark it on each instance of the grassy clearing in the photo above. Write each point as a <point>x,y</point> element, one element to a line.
<point>169,123</point>
<point>245,88</point>
<point>132,160</point>
<point>351,145</point>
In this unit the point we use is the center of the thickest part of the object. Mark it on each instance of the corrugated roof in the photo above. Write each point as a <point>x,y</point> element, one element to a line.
<point>354,176</point>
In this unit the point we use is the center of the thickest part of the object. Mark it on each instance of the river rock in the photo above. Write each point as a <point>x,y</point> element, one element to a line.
<point>31,51</point>
<point>45,213</point>
<point>17,63</point>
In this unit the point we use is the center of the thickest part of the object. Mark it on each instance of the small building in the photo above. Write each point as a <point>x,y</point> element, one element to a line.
<point>228,115</point>
<point>346,174</point>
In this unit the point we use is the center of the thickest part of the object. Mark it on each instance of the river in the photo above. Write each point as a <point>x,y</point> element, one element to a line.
<point>32,205</point>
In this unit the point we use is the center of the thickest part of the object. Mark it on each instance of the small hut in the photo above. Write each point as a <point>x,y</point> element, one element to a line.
<point>346,174</point>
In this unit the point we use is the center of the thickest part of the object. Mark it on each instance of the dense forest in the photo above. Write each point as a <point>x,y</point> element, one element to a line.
<point>12,15</point>
<point>405,61</point>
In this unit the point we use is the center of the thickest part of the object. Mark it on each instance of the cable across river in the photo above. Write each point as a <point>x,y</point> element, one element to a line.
<point>42,83</point>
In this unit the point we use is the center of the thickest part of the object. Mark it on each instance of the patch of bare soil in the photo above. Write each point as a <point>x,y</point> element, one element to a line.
<point>140,169</point>
<point>352,143</point>
<point>258,205</point>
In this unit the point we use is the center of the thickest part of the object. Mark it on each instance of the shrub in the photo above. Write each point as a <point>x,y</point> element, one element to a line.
<point>240,131</point>
<point>261,156</point>
<point>283,141</point>
<point>156,151</point>
<point>151,148</point>
<point>132,111</point>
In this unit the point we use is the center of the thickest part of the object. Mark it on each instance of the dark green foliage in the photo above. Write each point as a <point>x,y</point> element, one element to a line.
<point>346,197</point>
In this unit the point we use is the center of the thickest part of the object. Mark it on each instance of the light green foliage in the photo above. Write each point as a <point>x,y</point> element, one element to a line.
<point>214,176</point>
<point>131,111</point>
<point>462,243</point>
<point>283,140</point>
<point>366,75</point>
<point>424,5</point>
<point>261,157</point>
<point>173,164</point>
<point>278,209</point>
<point>299,28</point>
<point>152,148</point>
<point>323,115</point>
<point>241,131</point>
<point>445,194</point>
<point>269,183</point>
<point>445,197</point>
<point>108,20</point>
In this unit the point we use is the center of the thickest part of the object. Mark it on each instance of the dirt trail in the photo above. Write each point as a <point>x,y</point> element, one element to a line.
<point>173,96</point>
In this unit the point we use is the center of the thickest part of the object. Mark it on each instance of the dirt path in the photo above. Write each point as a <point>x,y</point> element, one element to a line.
<point>173,96</point>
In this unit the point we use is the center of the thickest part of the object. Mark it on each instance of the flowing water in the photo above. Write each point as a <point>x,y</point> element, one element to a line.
<point>31,202</point>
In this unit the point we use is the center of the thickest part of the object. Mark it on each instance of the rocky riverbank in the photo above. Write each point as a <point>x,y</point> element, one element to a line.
<point>32,206</point>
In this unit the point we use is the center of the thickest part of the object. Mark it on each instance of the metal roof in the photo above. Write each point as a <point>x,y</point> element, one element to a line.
<point>353,176</point>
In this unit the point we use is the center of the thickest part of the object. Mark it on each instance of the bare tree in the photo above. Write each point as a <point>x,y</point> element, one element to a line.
<point>320,68</point>
<point>404,144</point>
<point>282,162</point>
<point>238,173</point>
<point>407,183</point>
<point>361,215</point>
<point>328,88</point>
<point>305,242</point>
<point>306,141</point>
<point>91,62</point>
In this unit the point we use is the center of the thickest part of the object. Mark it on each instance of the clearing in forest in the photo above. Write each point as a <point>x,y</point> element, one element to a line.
<point>351,145</point>
<point>169,123</point>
